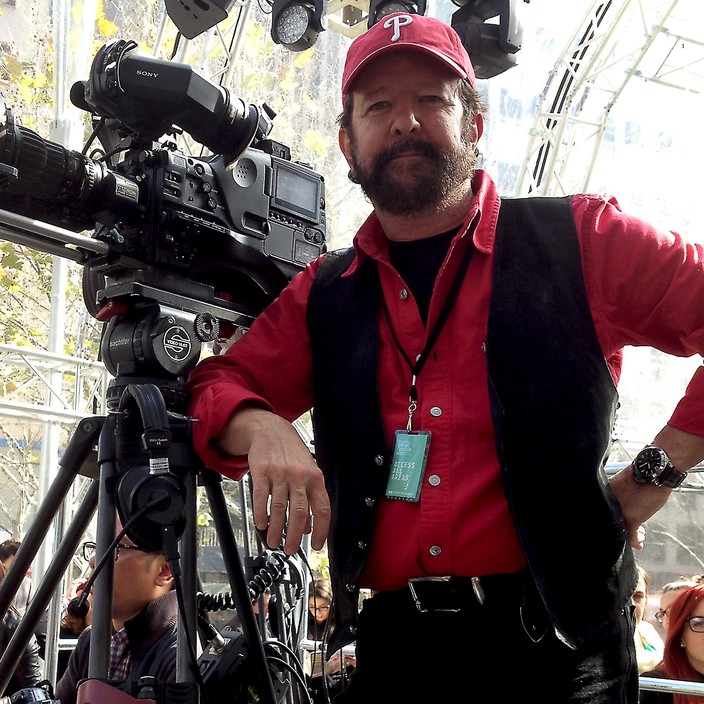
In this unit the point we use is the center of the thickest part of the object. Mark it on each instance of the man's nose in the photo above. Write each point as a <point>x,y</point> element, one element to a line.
<point>405,119</point>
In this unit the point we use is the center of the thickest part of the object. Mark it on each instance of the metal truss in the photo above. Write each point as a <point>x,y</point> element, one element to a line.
<point>618,41</point>
<point>70,387</point>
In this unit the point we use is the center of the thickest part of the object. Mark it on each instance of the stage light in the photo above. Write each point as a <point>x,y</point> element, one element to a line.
<point>193,17</point>
<point>492,47</point>
<point>380,8</point>
<point>296,24</point>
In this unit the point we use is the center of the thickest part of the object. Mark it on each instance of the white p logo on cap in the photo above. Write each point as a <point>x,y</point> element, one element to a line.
<point>397,21</point>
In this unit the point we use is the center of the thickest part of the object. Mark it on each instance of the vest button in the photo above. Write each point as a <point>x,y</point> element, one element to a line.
<point>435,550</point>
<point>369,502</point>
<point>350,588</point>
<point>433,480</point>
<point>361,545</point>
<point>379,460</point>
<point>436,411</point>
<point>403,294</point>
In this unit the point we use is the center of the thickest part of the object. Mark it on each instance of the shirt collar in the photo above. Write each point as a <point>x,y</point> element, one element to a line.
<point>484,211</point>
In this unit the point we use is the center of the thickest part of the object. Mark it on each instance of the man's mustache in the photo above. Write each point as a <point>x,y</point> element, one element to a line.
<point>408,146</point>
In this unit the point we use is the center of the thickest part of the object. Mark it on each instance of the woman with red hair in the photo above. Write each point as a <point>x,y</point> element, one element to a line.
<point>683,657</point>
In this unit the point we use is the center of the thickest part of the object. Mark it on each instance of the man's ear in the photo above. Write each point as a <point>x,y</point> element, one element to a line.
<point>478,127</point>
<point>165,576</point>
<point>345,145</point>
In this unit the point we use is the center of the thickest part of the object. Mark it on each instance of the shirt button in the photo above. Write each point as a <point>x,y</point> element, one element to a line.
<point>436,412</point>
<point>403,294</point>
<point>435,550</point>
<point>433,480</point>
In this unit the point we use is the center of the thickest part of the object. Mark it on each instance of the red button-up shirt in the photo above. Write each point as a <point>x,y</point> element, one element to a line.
<point>645,287</point>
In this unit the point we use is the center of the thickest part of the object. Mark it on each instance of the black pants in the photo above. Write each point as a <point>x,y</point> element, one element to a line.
<point>500,651</point>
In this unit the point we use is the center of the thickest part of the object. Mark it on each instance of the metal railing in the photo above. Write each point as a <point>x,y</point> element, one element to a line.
<point>655,684</point>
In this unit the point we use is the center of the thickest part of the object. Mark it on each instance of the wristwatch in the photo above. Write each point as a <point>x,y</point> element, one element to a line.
<point>653,466</point>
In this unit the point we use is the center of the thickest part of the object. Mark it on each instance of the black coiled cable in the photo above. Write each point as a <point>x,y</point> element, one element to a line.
<point>272,570</point>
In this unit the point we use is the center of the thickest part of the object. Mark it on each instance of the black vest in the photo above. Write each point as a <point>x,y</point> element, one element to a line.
<point>553,404</point>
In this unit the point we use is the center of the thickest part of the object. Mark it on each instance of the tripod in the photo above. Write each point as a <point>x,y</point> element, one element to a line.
<point>146,421</point>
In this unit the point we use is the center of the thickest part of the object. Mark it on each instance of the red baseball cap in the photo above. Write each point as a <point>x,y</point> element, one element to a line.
<point>401,30</point>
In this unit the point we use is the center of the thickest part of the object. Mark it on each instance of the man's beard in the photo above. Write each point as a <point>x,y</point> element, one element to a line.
<point>427,188</point>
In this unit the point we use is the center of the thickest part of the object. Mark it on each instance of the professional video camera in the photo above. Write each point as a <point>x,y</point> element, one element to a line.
<point>180,246</point>
<point>243,221</point>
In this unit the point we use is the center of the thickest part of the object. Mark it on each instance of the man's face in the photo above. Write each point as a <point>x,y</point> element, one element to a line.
<point>135,580</point>
<point>640,599</point>
<point>410,146</point>
<point>139,577</point>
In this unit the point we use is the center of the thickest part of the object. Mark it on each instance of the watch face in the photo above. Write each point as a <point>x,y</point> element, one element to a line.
<point>649,463</point>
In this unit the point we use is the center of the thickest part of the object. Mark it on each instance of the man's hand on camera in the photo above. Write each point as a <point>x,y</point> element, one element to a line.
<point>287,485</point>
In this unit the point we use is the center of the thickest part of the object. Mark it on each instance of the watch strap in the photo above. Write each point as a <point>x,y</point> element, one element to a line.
<point>670,477</point>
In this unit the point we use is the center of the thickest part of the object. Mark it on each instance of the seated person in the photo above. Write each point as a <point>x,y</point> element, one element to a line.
<point>72,626</point>
<point>337,666</point>
<point>144,619</point>
<point>25,592</point>
<point>684,649</point>
<point>23,595</point>
<point>28,670</point>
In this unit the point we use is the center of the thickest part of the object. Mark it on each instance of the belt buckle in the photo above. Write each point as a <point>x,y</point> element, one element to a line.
<point>417,581</point>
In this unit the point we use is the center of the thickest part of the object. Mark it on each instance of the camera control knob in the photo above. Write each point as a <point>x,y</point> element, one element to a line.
<point>207,327</point>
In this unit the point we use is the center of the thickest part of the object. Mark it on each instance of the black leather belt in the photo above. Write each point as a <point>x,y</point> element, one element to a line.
<point>452,594</point>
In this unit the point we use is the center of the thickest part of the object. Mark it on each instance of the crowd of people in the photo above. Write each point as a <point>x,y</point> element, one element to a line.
<point>144,626</point>
<point>676,651</point>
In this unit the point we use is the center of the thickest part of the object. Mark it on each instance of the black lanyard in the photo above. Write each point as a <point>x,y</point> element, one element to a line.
<point>434,333</point>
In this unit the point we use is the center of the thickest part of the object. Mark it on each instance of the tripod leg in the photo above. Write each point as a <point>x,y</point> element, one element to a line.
<point>101,622</point>
<point>238,584</point>
<point>48,587</point>
<point>79,447</point>
<point>189,574</point>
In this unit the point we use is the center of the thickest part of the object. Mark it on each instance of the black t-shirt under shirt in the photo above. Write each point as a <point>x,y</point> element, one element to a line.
<point>418,262</point>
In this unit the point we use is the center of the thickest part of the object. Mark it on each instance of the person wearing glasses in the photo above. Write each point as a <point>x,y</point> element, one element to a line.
<point>669,593</point>
<point>319,603</point>
<point>338,667</point>
<point>683,657</point>
<point>144,620</point>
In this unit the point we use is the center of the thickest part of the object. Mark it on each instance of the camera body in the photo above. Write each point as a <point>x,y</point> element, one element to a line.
<point>243,221</point>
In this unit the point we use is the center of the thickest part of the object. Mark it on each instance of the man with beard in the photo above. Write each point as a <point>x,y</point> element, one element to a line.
<point>461,359</point>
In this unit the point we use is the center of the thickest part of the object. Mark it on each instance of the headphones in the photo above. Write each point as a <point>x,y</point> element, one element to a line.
<point>142,433</point>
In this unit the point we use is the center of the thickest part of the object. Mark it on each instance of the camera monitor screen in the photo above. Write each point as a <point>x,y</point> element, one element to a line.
<point>296,191</point>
